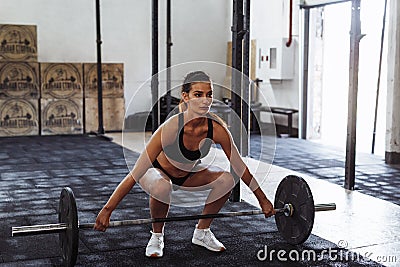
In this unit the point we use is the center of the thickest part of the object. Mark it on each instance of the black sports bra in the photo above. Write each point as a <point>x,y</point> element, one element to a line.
<point>177,150</point>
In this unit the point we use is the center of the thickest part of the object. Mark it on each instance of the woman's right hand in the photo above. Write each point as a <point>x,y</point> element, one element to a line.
<point>102,220</point>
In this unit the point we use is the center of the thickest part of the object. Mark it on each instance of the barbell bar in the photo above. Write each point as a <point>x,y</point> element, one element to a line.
<point>294,207</point>
<point>59,227</point>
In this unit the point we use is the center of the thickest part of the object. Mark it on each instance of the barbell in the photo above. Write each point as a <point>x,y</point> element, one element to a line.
<point>294,207</point>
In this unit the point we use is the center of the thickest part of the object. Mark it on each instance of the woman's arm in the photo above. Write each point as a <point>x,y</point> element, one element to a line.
<point>224,138</point>
<point>144,162</point>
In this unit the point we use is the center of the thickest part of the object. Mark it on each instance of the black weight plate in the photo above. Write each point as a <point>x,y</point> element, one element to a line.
<point>69,239</point>
<point>297,228</point>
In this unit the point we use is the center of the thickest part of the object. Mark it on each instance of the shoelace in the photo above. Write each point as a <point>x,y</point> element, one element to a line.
<point>209,236</point>
<point>154,240</point>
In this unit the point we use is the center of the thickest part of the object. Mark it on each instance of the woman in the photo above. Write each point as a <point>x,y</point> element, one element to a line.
<point>172,159</point>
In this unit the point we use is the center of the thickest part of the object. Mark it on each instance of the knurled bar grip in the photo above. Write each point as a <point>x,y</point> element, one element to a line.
<point>59,227</point>
<point>38,229</point>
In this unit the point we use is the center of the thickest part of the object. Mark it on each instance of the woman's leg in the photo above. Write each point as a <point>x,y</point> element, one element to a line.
<point>220,182</point>
<point>158,186</point>
<point>158,209</point>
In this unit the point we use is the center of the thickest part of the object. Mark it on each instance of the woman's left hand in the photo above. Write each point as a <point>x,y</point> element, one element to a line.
<point>267,208</point>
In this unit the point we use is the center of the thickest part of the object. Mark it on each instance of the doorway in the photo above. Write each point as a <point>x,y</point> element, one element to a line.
<point>331,72</point>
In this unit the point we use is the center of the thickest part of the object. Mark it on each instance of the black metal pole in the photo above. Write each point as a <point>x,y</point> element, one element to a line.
<point>99,70</point>
<point>154,72</point>
<point>169,46</point>
<point>379,79</point>
<point>246,81</point>
<point>355,37</point>
<point>237,52</point>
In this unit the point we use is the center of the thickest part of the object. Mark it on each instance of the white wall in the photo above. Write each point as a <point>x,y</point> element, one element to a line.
<point>64,34</point>
<point>270,20</point>
<point>200,32</point>
<point>67,33</point>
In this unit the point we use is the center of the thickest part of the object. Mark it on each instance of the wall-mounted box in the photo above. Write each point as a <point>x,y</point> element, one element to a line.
<point>275,60</point>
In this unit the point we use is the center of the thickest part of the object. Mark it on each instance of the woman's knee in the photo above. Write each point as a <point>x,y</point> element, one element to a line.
<point>161,189</point>
<point>224,180</point>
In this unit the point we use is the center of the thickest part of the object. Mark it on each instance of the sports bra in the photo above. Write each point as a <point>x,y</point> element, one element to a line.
<point>177,150</point>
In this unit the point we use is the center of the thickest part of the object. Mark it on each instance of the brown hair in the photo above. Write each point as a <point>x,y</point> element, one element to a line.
<point>194,77</point>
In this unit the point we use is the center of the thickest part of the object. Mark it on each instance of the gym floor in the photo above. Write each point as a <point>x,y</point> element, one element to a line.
<point>34,170</point>
<point>362,221</point>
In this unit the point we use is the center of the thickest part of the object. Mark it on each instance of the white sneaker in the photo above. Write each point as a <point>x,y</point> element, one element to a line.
<point>155,246</point>
<point>205,238</point>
